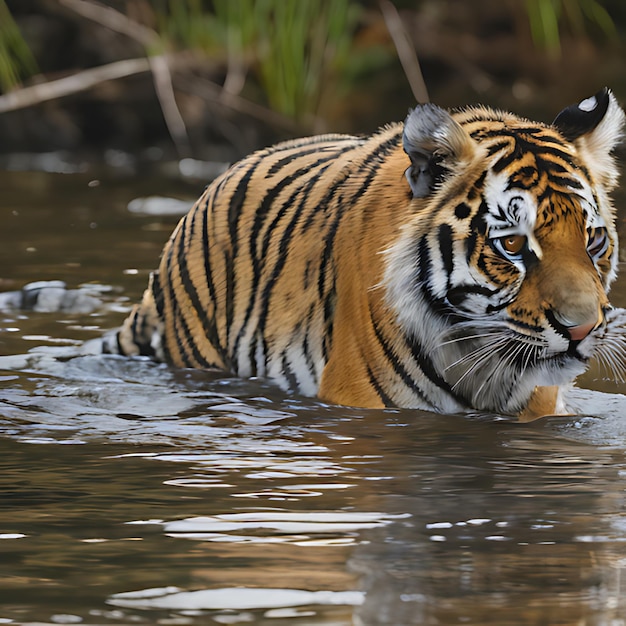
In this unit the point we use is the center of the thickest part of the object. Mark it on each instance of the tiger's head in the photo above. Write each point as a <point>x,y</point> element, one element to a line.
<point>502,275</point>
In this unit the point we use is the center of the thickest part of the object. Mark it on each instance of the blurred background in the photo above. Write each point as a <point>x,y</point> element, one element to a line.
<point>215,79</point>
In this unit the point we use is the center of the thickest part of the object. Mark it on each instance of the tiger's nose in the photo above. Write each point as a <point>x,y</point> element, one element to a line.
<point>576,331</point>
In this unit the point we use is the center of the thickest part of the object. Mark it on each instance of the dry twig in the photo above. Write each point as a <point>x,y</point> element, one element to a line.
<point>109,17</point>
<point>80,81</point>
<point>210,91</point>
<point>406,52</point>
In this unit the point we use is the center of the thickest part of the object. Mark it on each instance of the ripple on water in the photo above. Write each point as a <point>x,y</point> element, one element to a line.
<point>233,598</point>
<point>435,517</point>
<point>304,528</point>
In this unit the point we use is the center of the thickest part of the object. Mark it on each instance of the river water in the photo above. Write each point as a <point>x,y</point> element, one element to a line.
<point>135,493</point>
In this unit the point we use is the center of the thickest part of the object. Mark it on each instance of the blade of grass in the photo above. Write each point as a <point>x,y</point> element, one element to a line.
<point>16,59</point>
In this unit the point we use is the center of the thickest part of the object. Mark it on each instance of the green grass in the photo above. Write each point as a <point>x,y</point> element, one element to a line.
<point>294,49</point>
<point>547,19</point>
<point>16,60</point>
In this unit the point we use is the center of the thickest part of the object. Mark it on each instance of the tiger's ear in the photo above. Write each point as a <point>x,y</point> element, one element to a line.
<point>595,126</point>
<point>435,142</point>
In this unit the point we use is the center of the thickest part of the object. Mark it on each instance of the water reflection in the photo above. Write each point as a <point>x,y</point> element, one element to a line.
<point>165,493</point>
<point>134,493</point>
<point>235,598</point>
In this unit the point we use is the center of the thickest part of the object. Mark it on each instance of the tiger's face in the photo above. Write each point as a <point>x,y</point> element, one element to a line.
<point>503,274</point>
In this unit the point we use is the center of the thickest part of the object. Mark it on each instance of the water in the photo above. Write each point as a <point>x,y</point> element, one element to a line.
<point>135,493</point>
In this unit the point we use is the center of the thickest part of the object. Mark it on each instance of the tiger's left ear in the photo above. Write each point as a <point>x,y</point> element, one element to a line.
<point>435,143</point>
<point>595,126</point>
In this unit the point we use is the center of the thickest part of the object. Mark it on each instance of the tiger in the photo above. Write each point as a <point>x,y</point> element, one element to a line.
<point>459,261</point>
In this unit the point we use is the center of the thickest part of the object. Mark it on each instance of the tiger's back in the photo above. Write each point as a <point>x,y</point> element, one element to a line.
<point>320,265</point>
<point>248,280</point>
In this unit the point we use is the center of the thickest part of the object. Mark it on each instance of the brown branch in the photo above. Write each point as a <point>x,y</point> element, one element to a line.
<point>80,81</point>
<point>210,91</point>
<point>406,52</point>
<point>171,113</point>
<point>110,18</point>
<point>86,79</point>
<point>113,19</point>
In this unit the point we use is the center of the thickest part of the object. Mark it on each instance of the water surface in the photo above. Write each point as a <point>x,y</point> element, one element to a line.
<point>135,493</point>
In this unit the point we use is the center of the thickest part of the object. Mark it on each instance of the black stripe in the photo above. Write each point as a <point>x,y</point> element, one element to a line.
<point>456,295</point>
<point>138,330</point>
<point>496,278</point>
<point>428,369</point>
<point>237,199</point>
<point>260,214</point>
<point>288,203</point>
<point>437,305</point>
<point>170,301</point>
<point>315,147</point>
<point>446,242</point>
<point>157,295</point>
<point>252,346</point>
<point>235,206</point>
<point>192,347</point>
<point>396,364</point>
<point>206,248</point>
<point>180,326</point>
<point>286,160</point>
<point>157,292</point>
<point>566,183</point>
<point>496,147</point>
<point>208,325</point>
<point>379,152</point>
<point>321,208</point>
<point>133,327</point>
<point>494,308</point>
<point>259,262</point>
<point>281,258</point>
<point>145,347</point>
<point>478,227</point>
<point>424,262</point>
<point>478,223</point>
<point>308,356</point>
<point>119,345</point>
<point>385,399</point>
<point>329,301</point>
<point>543,164</point>
<point>177,315</point>
<point>537,134</point>
<point>288,373</point>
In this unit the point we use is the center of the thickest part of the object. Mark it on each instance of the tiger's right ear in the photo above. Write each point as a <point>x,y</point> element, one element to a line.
<point>595,126</point>
<point>435,142</point>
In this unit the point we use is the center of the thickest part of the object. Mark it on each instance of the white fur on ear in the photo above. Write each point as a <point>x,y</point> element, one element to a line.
<point>434,142</point>
<point>595,126</point>
<point>599,144</point>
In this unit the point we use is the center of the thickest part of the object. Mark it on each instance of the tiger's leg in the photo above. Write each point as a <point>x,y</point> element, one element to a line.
<point>142,331</point>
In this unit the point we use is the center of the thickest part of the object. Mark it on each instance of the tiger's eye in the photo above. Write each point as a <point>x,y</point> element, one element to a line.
<point>513,244</point>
